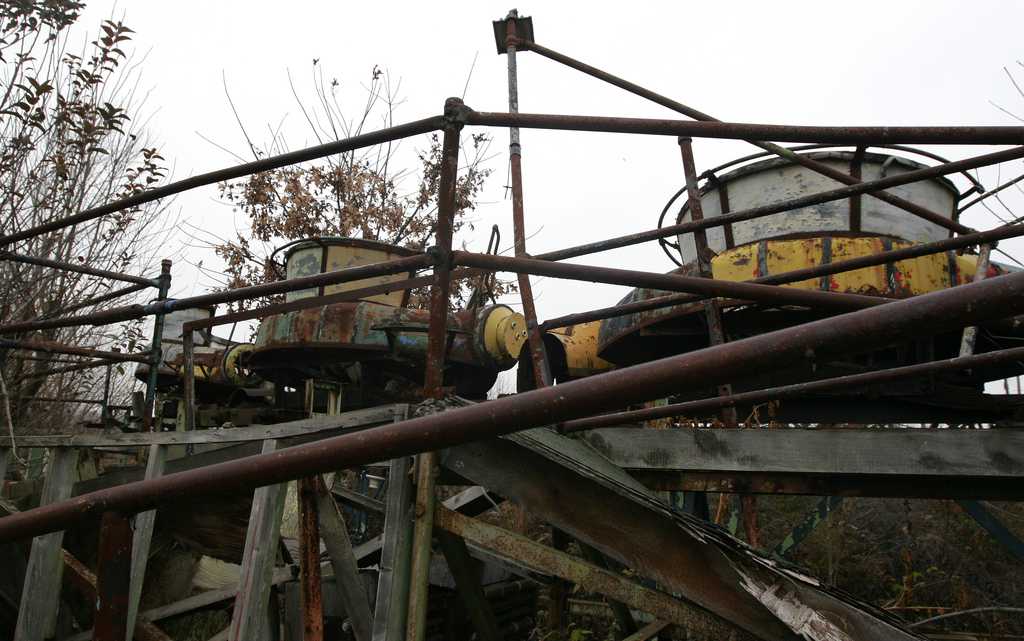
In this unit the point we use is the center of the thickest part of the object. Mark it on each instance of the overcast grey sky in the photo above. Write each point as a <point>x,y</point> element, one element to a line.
<point>865,63</point>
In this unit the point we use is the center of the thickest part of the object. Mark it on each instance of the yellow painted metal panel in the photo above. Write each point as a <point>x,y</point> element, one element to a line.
<point>904,278</point>
<point>580,343</point>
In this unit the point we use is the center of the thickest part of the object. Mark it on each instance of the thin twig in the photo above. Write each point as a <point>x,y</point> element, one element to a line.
<point>993,608</point>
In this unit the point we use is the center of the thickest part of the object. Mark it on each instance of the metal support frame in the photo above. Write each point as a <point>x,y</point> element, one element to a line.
<point>155,348</point>
<point>724,362</point>
<point>857,331</point>
<point>535,341</point>
<point>852,381</point>
<point>433,385</point>
<point>311,597</point>
<point>78,268</point>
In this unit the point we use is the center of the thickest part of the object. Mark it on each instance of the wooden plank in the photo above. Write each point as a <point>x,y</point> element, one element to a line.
<point>250,433</point>
<point>249,619</point>
<point>991,453</point>
<point>623,616</point>
<point>812,520</point>
<point>649,631</point>
<point>143,536</point>
<point>40,598</point>
<point>467,583</point>
<point>993,526</point>
<point>541,558</point>
<point>358,500</point>
<point>334,533</point>
<point>389,615</point>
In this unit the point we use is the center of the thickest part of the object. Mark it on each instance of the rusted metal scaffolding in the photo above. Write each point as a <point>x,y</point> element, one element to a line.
<point>853,323</point>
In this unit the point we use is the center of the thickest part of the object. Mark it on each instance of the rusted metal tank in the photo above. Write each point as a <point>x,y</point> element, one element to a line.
<point>376,343</point>
<point>775,180</point>
<point>318,255</point>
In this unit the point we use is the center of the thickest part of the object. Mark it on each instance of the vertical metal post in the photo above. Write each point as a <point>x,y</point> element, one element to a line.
<point>713,316</point>
<point>538,357</point>
<point>433,383</point>
<point>105,416</point>
<point>189,379</point>
<point>311,593</point>
<point>970,335</point>
<point>155,348</point>
<point>113,576</point>
<point>712,312</point>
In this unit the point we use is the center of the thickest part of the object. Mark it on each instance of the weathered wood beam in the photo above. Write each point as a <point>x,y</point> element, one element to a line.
<point>467,583</point>
<point>360,501</point>
<point>250,433</point>
<point>574,488</point>
<point>40,596</point>
<point>143,536</point>
<point>907,462</point>
<point>528,553</point>
<point>389,616</point>
<point>249,619</point>
<point>334,533</point>
<point>648,631</point>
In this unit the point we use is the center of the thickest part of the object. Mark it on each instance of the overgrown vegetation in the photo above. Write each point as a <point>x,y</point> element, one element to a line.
<point>70,139</point>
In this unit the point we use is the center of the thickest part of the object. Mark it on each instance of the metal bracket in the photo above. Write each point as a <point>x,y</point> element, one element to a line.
<point>523,31</point>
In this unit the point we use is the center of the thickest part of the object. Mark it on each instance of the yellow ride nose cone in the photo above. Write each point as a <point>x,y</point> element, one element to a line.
<point>504,334</point>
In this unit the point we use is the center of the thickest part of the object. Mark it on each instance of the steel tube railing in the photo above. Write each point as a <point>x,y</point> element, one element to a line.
<point>995,135</point>
<point>786,205</point>
<point>96,300</point>
<point>689,408</point>
<point>856,331</point>
<point>118,314</point>
<point>58,348</point>
<point>671,282</point>
<point>80,269</point>
<point>796,275</point>
<point>780,151</point>
<point>388,134</point>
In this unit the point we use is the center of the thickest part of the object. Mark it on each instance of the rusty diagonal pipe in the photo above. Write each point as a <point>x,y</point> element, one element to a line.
<point>856,331</point>
<point>755,140</point>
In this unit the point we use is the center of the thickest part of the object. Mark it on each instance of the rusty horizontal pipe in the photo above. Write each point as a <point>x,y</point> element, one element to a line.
<point>59,348</point>
<point>846,135</point>
<point>100,362</point>
<point>787,205</point>
<point>689,408</point>
<point>96,300</point>
<point>796,275</point>
<point>782,152</point>
<point>320,301</point>
<point>730,362</point>
<point>78,268</point>
<point>52,399</point>
<point>672,282</point>
<point>129,312</point>
<point>381,136</point>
